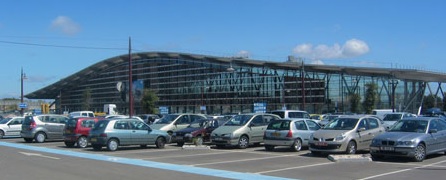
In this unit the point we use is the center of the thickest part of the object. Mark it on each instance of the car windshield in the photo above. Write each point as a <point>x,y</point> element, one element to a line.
<point>392,117</point>
<point>199,123</point>
<point>167,119</point>
<point>279,125</point>
<point>4,121</point>
<point>418,126</point>
<point>238,120</point>
<point>342,124</point>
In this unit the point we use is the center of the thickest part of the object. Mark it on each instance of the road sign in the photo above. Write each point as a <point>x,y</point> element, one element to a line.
<point>23,105</point>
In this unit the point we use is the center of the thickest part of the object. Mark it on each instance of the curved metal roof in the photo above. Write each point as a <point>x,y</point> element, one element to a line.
<point>52,91</point>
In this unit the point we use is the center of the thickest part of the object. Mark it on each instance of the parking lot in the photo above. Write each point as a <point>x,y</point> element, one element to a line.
<point>254,161</point>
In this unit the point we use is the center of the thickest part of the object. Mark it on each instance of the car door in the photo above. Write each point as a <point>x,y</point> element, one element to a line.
<point>122,131</point>
<point>441,130</point>
<point>311,126</point>
<point>14,127</point>
<point>364,133</point>
<point>182,122</point>
<point>256,129</point>
<point>434,139</point>
<point>141,133</point>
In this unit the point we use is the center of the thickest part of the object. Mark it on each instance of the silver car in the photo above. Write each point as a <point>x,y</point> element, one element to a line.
<point>412,137</point>
<point>43,127</point>
<point>294,133</point>
<point>242,130</point>
<point>346,134</point>
<point>11,126</point>
<point>113,133</point>
<point>175,122</point>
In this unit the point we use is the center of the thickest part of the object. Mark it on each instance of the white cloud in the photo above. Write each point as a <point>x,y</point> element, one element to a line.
<point>243,54</point>
<point>351,48</point>
<point>65,25</point>
<point>317,62</point>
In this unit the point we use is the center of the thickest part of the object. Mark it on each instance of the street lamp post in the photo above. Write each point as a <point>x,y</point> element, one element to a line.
<point>394,83</point>
<point>22,77</point>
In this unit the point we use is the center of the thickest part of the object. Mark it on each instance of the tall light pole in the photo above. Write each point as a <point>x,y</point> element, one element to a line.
<point>394,84</point>
<point>22,77</point>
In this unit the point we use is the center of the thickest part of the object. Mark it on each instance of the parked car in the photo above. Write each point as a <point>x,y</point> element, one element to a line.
<point>149,118</point>
<point>294,133</point>
<point>198,131</point>
<point>82,113</point>
<point>285,114</point>
<point>113,133</point>
<point>242,130</point>
<point>43,127</point>
<point>411,137</point>
<point>175,122</point>
<point>77,129</point>
<point>391,118</point>
<point>11,127</point>
<point>346,134</point>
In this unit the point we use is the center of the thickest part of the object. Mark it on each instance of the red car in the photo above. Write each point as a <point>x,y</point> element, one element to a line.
<point>77,129</point>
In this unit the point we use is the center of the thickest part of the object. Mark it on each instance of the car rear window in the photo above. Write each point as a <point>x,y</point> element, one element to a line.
<point>279,125</point>
<point>100,125</point>
<point>72,122</point>
<point>279,113</point>
<point>28,120</point>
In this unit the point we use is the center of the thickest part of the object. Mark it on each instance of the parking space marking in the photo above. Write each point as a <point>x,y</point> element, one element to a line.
<point>297,167</point>
<point>191,155</point>
<point>150,164</point>
<point>403,170</point>
<point>241,160</point>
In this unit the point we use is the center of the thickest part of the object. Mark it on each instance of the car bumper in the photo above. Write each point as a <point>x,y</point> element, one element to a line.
<point>97,140</point>
<point>27,134</point>
<point>328,147</point>
<point>224,141</point>
<point>278,142</point>
<point>392,151</point>
<point>71,137</point>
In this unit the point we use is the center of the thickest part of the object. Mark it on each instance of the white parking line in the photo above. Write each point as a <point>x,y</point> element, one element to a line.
<point>403,170</point>
<point>297,167</point>
<point>241,160</point>
<point>191,155</point>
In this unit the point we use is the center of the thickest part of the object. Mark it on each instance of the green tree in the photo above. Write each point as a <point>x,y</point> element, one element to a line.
<point>86,99</point>
<point>355,102</point>
<point>431,101</point>
<point>148,102</point>
<point>371,97</point>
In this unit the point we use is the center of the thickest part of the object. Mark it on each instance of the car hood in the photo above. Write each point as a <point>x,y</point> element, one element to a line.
<point>226,129</point>
<point>399,136</point>
<point>325,134</point>
<point>157,126</point>
<point>188,130</point>
<point>159,132</point>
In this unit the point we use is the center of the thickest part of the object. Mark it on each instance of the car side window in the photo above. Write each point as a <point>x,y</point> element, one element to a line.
<point>312,125</point>
<point>300,125</point>
<point>373,123</point>
<point>88,123</point>
<point>441,125</point>
<point>138,125</point>
<point>267,119</point>
<point>362,124</point>
<point>258,121</point>
<point>121,125</point>
<point>183,120</point>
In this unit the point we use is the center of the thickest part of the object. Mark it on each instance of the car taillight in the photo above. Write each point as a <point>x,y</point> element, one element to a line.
<point>102,135</point>
<point>32,125</point>
<point>290,134</point>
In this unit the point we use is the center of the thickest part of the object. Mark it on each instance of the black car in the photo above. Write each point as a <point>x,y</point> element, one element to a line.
<point>197,132</point>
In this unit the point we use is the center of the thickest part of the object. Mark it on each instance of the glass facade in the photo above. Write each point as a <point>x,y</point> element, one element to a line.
<point>219,85</point>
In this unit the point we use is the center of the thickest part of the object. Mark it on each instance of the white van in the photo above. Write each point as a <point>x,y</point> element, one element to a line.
<point>380,113</point>
<point>286,114</point>
<point>81,114</point>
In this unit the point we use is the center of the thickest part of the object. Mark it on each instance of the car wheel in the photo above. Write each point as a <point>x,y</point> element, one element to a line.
<point>69,144</point>
<point>297,145</point>
<point>198,141</point>
<point>97,147</point>
<point>112,144</point>
<point>420,153</point>
<point>82,142</point>
<point>180,143</point>
<point>40,137</point>
<point>1,134</point>
<point>28,140</point>
<point>269,147</point>
<point>160,142</point>
<point>351,148</point>
<point>243,142</point>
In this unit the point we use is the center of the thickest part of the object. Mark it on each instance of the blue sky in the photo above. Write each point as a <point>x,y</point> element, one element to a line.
<point>52,39</point>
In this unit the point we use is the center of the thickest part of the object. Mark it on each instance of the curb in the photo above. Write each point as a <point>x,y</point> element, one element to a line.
<point>192,147</point>
<point>350,157</point>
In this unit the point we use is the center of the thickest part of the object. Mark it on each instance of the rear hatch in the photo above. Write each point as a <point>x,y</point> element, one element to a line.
<point>70,126</point>
<point>28,124</point>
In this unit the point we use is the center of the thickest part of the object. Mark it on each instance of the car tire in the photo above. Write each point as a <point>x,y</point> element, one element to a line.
<point>243,142</point>
<point>198,141</point>
<point>40,137</point>
<point>420,153</point>
<point>28,140</point>
<point>97,147</point>
<point>297,145</point>
<point>351,148</point>
<point>69,144</point>
<point>82,142</point>
<point>160,142</point>
<point>2,134</point>
<point>180,143</point>
<point>269,147</point>
<point>112,144</point>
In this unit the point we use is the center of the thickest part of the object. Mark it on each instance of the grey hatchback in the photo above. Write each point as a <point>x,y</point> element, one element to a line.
<point>121,132</point>
<point>43,127</point>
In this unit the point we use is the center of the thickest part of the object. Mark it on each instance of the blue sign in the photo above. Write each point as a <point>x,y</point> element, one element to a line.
<point>164,110</point>
<point>23,105</point>
<point>260,107</point>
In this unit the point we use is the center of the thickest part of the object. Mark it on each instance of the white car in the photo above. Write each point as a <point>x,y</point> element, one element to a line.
<point>11,126</point>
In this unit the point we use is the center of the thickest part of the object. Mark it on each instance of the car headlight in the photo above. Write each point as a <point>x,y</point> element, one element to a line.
<point>188,135</point>
<point>405,143</point>
<point>340,137</point>
<point>229,135</point>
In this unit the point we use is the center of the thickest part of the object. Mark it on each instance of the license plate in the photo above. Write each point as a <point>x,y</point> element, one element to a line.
<point>218,139</point>
<point>275,134</point>
<point>93,140</point>
<point>320,144</point>
<point>387,148</point>
<point>67,131</point>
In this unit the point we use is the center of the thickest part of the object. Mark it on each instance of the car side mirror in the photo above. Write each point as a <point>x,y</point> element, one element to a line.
<point>433,131</point>
<point>361,129</point>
